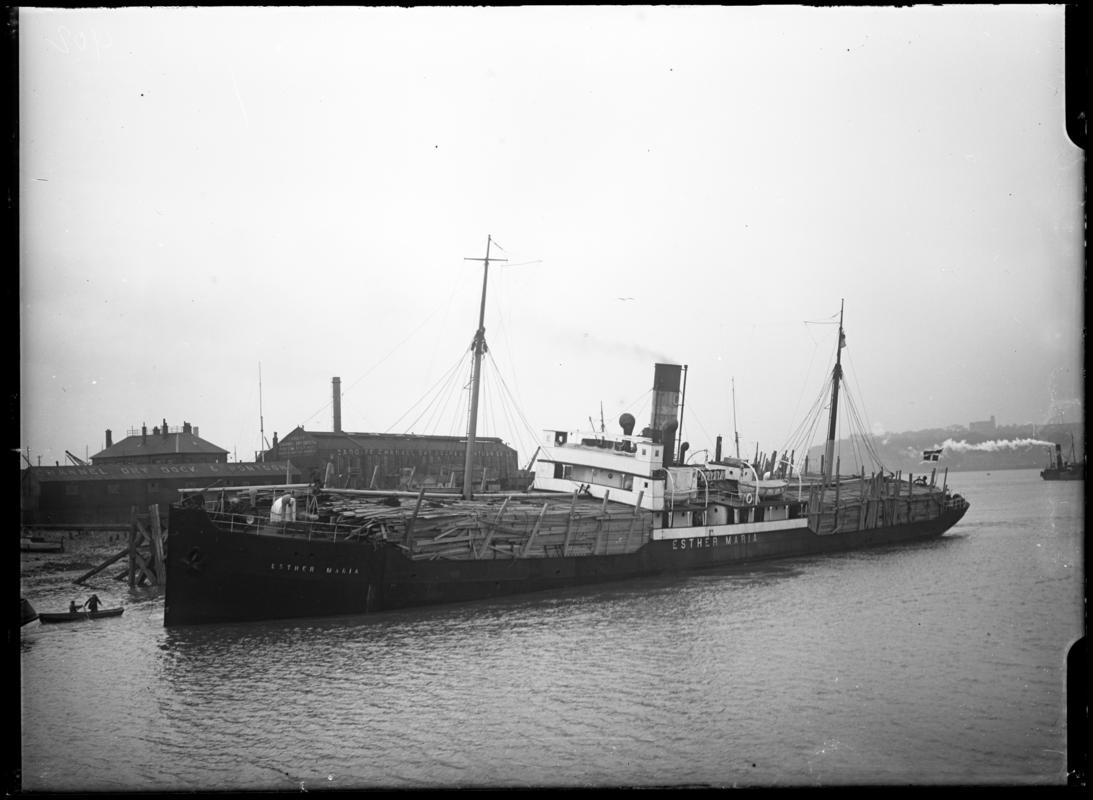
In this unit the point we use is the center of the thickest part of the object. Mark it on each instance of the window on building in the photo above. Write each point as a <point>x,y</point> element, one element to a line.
<point>113,488</point>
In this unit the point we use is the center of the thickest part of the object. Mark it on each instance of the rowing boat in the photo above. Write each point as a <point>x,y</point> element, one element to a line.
<point>79,616</point>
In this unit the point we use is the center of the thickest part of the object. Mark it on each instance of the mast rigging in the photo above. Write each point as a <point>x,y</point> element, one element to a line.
<point>836,377</point>
<point>479,348</point>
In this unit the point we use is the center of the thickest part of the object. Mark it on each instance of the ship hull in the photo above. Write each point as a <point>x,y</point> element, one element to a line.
<point>1062,475</point>
<point>215,575</point>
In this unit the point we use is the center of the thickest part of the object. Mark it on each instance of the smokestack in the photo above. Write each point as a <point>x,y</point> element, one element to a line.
<point>1059,456</point>
<point>668,439</point>
<point>337,405</point>
<point>165,428</point>
<point>143,433</point>
<point>627,423</point>
<point>109,438</point>
<point>665,395</point>
<point>717,450</point>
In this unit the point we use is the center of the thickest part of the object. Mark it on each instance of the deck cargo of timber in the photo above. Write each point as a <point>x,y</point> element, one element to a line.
<point>603,506</point>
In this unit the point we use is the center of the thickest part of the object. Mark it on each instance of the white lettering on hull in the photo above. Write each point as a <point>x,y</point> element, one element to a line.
<point>310,568</point>
<point>774,526</point>
<point>696,543</point>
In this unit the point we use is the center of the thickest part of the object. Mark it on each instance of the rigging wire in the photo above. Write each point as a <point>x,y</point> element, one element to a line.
<point>514,405</point>
<point>345,388</point>
<point>453,384</point>
<point>446,376</point>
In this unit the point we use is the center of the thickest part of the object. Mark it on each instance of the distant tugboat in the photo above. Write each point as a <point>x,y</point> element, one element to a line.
<point>1059,470</point>
<point>603,506</point>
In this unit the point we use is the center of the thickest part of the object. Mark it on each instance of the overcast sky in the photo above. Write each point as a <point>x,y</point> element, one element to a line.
<point>213,195</point>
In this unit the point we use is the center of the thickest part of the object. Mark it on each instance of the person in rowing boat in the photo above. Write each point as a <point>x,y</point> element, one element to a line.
<point>72,609</point>
<point>93,603</point>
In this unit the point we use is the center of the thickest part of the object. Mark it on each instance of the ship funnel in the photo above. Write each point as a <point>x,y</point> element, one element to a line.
<point>627,422</point>
<point>337,405</point>
<point>717,451</point>
<point>1058,455</point>
<point>668,439</point>
<point>665,395</point>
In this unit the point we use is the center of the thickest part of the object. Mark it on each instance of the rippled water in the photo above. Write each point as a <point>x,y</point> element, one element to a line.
<point>940,663</point>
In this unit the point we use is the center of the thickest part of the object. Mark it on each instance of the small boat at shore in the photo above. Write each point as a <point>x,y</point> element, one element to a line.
<point>80,616</point>
<point>34,544</point>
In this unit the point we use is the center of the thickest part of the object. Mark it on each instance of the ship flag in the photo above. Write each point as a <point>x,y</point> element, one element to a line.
<point>931,455</point>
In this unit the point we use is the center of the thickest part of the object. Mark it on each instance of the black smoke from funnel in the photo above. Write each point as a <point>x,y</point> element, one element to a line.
<point>627,422</point>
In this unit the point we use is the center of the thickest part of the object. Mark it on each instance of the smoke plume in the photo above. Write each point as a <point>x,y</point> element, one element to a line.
<point>993,446</point>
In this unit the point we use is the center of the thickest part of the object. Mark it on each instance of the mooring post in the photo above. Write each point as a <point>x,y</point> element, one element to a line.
<point>157,545</point>
<point>133,548</point>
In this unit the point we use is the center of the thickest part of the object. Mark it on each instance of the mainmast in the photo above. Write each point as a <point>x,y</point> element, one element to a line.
<point>836,377</point>
<point>479,347</point>
<point>682,401</point>
<point>261,419</point>
<point>735,432</point>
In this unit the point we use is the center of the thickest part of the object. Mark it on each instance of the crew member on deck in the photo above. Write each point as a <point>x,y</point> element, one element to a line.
<point>283,509</point>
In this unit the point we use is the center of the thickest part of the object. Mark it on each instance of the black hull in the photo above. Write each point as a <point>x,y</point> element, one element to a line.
<point>1056,475</point>
<point>219,576</point>
<point>79,616</point>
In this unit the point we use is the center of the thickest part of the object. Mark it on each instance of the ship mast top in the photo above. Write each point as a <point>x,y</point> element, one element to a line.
<point>479,348</point>
<point>735,432</point>
<point>836,378</point>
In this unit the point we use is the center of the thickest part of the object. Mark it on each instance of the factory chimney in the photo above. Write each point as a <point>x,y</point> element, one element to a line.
<point>337,405</point>
<point>109,439</point>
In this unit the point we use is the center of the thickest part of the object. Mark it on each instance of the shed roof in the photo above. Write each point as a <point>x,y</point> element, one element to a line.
<point>199,471</point>
<point>158,444</point>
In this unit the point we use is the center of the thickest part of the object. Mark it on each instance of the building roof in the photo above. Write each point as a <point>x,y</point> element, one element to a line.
<point>351,439</point>
<point>209,471</point>
<point>156,444</point>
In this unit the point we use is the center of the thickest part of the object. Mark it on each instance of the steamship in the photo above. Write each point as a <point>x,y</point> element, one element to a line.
<point>1060,470</point>
<point>601,507</point>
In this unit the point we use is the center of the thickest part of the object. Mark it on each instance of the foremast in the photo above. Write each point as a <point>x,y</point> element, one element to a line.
<point>836,378</point>
<point>478,346</point>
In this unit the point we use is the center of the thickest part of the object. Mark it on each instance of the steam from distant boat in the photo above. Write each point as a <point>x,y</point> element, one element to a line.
<point>993,446</point>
